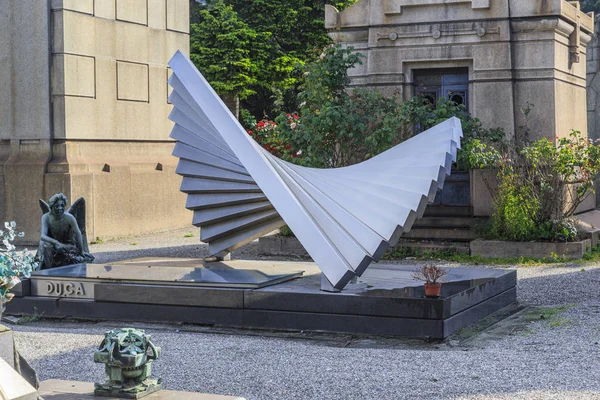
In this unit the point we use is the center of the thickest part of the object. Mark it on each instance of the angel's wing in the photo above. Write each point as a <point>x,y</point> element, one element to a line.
<point>77,210</point>
<point>44,206</point>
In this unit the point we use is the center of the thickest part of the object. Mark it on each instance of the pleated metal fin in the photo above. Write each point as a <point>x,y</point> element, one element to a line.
<point>344,217</point>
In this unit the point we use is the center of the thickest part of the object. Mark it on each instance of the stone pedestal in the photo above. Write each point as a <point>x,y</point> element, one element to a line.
<point>7,350</point>
<point>13,386</point>
<point>71,390</point>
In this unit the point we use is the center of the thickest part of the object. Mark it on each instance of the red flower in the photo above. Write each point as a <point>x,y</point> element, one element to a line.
<point>250,133</point>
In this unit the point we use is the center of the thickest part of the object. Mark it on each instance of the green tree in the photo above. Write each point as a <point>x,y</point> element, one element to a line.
<point>226,50</point>
<point>337,127</point>
<point>292,32</point>
<point>590,5</point>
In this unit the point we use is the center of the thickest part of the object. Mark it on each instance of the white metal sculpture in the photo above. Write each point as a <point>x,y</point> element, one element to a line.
<point>344,217</point>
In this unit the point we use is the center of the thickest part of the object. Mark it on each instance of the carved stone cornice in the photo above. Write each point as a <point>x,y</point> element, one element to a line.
<point>395,6</point>
<point>438,30</point>
<point>546,25</point>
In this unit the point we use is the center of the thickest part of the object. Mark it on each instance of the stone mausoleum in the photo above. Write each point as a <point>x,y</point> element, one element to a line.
<point>83,111</point>
<point>494,56</point>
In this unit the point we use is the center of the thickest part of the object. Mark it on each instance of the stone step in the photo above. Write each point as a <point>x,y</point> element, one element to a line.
<point>437,233</point>
<point>448,222</point>
<point>420,246</point>
<point>434,210</point>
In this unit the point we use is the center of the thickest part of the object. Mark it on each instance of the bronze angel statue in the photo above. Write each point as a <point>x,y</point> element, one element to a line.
<point>63,240</point>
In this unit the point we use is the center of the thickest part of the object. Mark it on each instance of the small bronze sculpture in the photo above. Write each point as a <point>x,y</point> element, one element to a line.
<point>127,355</point>
<point>63,239</point>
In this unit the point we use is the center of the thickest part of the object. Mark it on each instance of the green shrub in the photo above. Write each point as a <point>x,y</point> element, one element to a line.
<point>541,186</point>
<point>339,127</point>
<point>286,231</point>
<point>515,213</point>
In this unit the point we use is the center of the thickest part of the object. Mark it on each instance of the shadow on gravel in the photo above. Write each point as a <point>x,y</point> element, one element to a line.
<point>579,285</point>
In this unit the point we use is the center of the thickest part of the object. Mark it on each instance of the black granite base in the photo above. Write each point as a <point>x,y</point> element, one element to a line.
<point>386,301</point>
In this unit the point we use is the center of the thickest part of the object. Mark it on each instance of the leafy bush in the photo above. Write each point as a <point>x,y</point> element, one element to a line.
<point>267,134</point>
<point>340,127</point>
<point>515,212</point>
<point>13,263</point>
<point>477,144</point>
<point>541,186</point>
<point>286,231</point>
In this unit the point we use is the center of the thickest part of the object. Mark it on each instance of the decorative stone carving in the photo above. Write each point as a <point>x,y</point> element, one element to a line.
<point>63,238</point>
<point>437,31</point>
<point>127,354</point>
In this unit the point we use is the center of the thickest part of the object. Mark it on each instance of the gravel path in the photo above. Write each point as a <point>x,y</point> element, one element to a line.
<point>551,358</point>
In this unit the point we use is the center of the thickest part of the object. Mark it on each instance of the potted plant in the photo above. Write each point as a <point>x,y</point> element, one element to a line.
<point>432,275</point>
<point>13,264</point>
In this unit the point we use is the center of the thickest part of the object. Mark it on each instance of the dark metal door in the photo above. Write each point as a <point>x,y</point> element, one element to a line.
<point>451,83</point>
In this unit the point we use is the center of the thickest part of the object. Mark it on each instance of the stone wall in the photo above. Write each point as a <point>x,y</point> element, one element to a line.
<point>84,111</point>
<point>593,85</point>
<point>516,52</point>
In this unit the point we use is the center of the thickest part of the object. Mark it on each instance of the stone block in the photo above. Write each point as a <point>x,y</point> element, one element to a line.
<point>440,233</point>
<point>64,390</point>
<point>24,80</point>
<point>14,387</point>
<point>82,6</point>
<point>132,81</point>
<point>384,301</point>
<point>484,184</point>
<point>276,245</point>
<point>135,11</point>
<point>358,324</point>
<point>105,9</point>
<point>157,14</point>
<point>178,16</point>
<point>7,350</point>
<point>479,311</point>
<point>74,75</point>
<point>23,288</point>
<point>169,295</point>
<point>589,223</point>
<point>505,249</point>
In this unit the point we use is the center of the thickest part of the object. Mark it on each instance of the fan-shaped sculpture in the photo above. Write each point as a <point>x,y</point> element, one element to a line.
<point>344,217</point>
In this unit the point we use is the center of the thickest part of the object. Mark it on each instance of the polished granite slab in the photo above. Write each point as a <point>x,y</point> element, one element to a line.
<point>149,272</point>
<point>386,300</point>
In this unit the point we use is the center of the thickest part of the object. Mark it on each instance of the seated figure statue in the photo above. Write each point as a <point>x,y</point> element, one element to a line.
<point>63,240</point>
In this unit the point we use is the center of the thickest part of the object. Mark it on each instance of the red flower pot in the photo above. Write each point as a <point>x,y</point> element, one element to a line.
<point>433,289</point>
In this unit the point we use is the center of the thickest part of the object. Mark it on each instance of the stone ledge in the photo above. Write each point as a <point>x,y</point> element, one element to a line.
<point>70,390</point>
<point>277,245</point>
<point>504,249</point>
<point>13,386</point>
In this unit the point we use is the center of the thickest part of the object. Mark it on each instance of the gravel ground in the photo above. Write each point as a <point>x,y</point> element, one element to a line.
<point>523,357</point>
